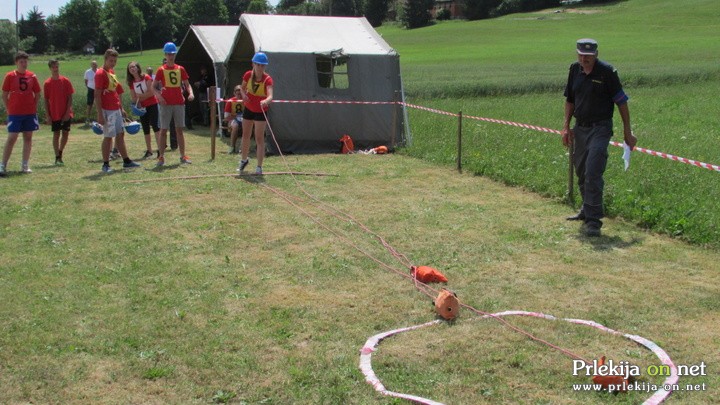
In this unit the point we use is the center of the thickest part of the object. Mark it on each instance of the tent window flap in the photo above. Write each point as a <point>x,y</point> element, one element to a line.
<point>332,70</point>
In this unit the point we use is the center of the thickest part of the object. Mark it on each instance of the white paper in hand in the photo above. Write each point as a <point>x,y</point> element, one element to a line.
<point>626,155</point>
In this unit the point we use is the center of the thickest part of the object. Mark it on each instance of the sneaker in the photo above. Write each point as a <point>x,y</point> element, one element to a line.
<point>114,154</point>
<point>258,170</point>
<point>59,162</point>
<point>148,154</point>
<point>25,169</point>
<point>186,160</point>
<point>107,169</point>
<point>591,229</point>
<point>243,165</point>
<point>160,161</point>
<point>231,150</point>
<point>130,165</point>
<point>3,173</point>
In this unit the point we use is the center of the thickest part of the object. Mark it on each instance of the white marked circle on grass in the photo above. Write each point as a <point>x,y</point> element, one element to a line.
<point>371,344</point>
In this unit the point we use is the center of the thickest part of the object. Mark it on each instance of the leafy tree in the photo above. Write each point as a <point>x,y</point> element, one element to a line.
<point>123,23</point>
<point>81,19</point>
<point>35,26</point>
<point>57,34</point>
<point>304,8</point>
<point>7,42</point>
<point>376,11</point>
<point>416,13</point>
<point>202,12</point>
<point>235,9</point>
<point>259,7</point>
<point>479,9</point>
<point>162,19</point>
<point>343,8</point>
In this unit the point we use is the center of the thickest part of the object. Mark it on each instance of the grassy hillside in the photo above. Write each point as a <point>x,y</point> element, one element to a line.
<point>514,68</point>
<point>651,41</point>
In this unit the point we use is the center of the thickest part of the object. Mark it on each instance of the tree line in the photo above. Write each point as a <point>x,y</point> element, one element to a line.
<point>133,25</point>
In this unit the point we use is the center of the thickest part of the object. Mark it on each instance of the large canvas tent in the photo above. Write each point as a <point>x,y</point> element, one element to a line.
<point>208,46</point>
<point>320,60</point>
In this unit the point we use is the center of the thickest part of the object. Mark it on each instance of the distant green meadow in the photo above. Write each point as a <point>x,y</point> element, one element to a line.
<point>514,68</point>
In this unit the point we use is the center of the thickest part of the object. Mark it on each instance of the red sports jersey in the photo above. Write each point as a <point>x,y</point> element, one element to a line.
<point>57,92</point>
<point>141,87</point>
<point>171,79</point>
<point>257,91</point>
<point>234,106</point>
<point>24,92</point>
<point>109,85</point>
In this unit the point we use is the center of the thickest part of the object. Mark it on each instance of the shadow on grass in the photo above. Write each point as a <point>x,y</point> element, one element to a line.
<point>251,178</point>
<point>605,243</point>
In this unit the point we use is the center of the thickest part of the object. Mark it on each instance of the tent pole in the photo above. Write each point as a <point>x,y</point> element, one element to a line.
<point>395,120</point>
<point>213,116</point>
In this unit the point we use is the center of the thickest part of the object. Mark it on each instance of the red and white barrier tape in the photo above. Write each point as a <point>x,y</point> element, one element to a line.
<point>367,350</point>
<point>664,155</point>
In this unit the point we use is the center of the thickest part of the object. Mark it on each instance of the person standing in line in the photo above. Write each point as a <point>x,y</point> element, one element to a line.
<point>143,97</point>
<point>149,72</point>
<point>58,91</point>
<point>203,84</point>
<point>593,89</point>
<point>108,91</point>
<point>90,84</point>
<point>257,93</point>
<point>20,94</point>
<point>168,83</point>
<point>233,116</point>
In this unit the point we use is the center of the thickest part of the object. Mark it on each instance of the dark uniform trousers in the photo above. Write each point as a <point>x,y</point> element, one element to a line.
<point>590,158</point>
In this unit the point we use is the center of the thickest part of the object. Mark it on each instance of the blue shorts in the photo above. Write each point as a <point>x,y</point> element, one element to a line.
<point>22,123</point>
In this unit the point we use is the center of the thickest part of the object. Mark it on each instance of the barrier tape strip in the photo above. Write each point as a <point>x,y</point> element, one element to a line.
<point>664,155</point>
<point>370,346</point>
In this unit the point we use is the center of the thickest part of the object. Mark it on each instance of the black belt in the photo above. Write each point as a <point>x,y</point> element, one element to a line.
<point>589,123</point>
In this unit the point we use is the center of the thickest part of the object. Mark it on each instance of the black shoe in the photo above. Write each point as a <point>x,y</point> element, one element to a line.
<point>580,216</point>
<point>591,229</point>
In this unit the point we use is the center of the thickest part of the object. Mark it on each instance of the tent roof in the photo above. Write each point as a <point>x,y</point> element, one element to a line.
<point>308,34</point>
<point>217,40</point>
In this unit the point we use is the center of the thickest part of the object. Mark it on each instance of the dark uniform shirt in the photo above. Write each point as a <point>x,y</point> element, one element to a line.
<point>594,95</point>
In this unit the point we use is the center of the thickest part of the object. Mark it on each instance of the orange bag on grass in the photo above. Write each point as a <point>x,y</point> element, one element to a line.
<point>346,144</point>
<point>426,274</point>
<point>618,382</point>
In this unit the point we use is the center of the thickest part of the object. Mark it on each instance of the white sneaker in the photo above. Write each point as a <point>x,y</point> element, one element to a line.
<point>258,170</point>
<point>26,169</point>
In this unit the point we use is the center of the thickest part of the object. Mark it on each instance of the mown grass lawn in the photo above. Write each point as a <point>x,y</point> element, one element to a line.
<point>181,291</point>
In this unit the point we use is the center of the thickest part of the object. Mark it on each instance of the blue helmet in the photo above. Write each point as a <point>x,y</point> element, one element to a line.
<point>139,111</point>
<point>260,58</point>
<point>97,128</point>
<point>170,48</point>
<point>132,127</point>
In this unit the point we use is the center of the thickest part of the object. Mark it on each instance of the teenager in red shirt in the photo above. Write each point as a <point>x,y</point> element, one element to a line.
<point>168,87</point>
<point>143,96</point>
<point>58,93</point>
<point>20,94</point>
<point>233,116</point>
<point>110,113</point>
<point>257,89</point>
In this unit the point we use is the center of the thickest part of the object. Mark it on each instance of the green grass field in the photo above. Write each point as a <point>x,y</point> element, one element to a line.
<point>514,68</point>
<point>192,291</point>
<point>144,287</point>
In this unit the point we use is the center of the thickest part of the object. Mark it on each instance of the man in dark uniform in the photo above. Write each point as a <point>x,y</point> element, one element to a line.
<point>593,88</point>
